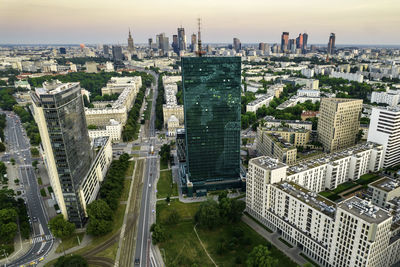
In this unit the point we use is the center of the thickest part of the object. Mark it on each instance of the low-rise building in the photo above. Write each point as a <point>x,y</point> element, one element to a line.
<point>273,145</point>
<point>259,102</point>
<point>113,130</point>
<point>384,190</point>
<point>309,114</point>
<point>308,92</point>
<point>392,97</point>
<point>271,122</point>
<point>355,77</point>
<point>297,137</point>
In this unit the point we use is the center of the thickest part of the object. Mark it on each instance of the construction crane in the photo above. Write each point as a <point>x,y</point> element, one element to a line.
<point>200,51</point>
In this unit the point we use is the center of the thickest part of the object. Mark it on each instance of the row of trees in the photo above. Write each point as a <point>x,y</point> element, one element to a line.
<point>132,125</point>
<point>159,104</point>
<point>80,60</point>
<point>165,153</point>
<point>12,212</point>
<point>3,121</point>
<point>101,211</point>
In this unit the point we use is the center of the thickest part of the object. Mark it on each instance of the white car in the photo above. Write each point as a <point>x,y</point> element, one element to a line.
<point>149,185</point>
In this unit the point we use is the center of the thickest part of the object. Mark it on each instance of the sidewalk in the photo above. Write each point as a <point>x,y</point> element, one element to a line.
<point>292,253</point>
<point>21,247</point>
<point>87,239</point>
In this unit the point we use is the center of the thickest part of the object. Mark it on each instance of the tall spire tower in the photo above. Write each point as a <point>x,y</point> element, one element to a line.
<point>131,47</point>
<point>200,52</point>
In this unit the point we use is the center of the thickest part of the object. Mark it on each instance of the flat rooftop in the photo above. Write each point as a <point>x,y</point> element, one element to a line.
<point>54,87</point>
<point>310,198</point>
<point>259,100</point>
<point>386,184</point>
<point>267,163</point>
<point>364,210</point>
<point>330,158</point>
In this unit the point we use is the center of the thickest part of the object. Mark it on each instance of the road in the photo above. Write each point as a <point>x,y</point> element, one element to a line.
<point>143,240</point>
<point>19,149</point>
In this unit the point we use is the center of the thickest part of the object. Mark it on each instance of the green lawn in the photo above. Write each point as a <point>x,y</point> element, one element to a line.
<point>183,248</point>
<point>136,148</point>
<point>165,187</point>
<point>163,165</point>
<point>70,242</point>
<point>367,178</point>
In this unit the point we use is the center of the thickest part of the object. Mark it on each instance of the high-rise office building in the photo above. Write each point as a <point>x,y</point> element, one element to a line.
<point>175,45</point>
<point>292,45</point>
<point>261,46</point>
<point>106,50</point>
<point>237,45</point>
<point>131,47</point>
<point>211,90</point>
<point>284,41</point>
<point>181,39</point>
<point>194,43</point>
<point>305,42</point>
<point>162,42</point>
<point>384,129</point>
<point>117,53</point>
<point>299,41</point>
<point>63,51</point>
<point>339,122</point>
<point>150,42</point>
<point>331,44</point>
<point>59,113</point>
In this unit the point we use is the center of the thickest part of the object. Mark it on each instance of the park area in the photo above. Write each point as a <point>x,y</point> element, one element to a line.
<point>228,244</point>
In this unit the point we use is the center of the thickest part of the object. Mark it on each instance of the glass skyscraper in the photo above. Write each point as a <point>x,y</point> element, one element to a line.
<point>212,93</point>
<point>61,119</point>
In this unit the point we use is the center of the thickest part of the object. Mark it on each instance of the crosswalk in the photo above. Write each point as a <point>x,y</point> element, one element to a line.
<point>41,238</point>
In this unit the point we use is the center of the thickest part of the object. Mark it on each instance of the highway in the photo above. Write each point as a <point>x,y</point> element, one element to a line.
<point>143,240</point>
<point>19,149</point>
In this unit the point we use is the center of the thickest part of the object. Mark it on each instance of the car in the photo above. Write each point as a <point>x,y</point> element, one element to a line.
<point>149,185</point>
<point>137,261</point>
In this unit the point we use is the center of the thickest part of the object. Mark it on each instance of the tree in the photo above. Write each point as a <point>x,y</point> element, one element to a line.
<point>34,152</point>
<point>261,256</point>
<point>158,234</point>
<point>208,215</point>
<point>100,218</point>
<point>60,227</point>
<point>99,227</point>
<point>99,209</point>
<point>8,231</point>
<point>2,147</point>
<point>71,261</point>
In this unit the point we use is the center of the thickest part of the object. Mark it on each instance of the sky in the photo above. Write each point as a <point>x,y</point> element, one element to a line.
<point>252,21</point>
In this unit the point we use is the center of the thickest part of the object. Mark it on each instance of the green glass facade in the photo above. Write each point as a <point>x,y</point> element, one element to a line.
<point>212,94</point>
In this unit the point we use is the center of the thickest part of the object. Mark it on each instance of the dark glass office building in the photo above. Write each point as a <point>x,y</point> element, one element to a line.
<point>64,118</point>
<point>212,90</point>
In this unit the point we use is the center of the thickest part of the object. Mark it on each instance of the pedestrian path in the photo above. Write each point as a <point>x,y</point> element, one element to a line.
<point>41,238</point>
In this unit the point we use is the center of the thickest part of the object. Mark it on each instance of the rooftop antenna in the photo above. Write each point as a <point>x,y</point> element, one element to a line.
<point>200,52</point>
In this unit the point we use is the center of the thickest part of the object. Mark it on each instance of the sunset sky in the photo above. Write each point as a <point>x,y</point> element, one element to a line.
<point>252,21</point>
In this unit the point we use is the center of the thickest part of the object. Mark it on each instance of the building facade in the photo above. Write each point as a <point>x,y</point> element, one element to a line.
<point>211,90</point>
<point>339,122</point>
<point>384,129</point>
<point>353,232</point>
<point>68,155</point>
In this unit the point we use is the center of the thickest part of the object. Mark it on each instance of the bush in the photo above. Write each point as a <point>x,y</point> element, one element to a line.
<point>71,261</point>
<point>43,192</point>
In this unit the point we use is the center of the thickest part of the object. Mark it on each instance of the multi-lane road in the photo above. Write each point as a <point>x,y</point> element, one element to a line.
<point>19,149</point>
<point>143,240</point>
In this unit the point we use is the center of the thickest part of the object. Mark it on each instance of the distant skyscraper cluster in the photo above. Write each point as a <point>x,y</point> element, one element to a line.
<point>291,45</point>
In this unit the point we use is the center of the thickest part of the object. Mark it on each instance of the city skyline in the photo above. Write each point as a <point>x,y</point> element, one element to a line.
<point>91,22</point>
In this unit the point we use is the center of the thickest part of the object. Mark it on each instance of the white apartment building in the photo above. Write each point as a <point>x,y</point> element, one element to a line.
<point>355,77</point>
<point>384,190</point>
<point>172,112</point>
<point>308,93</point>
<point>392,98</point>
<point>353,232</point>
<point>333,169</point>
<point>384,129</point>
<point>113,130</point>
<point>117,85</point>
<point>297,124</point>
<point>309,73</point>
<point>259,102</point>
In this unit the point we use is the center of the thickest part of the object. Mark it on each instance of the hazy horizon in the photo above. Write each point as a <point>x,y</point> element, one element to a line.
<point>357,22</point>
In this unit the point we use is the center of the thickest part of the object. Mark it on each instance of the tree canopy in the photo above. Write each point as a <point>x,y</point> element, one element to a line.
<point>261,256</point>
<point>60,227</point>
